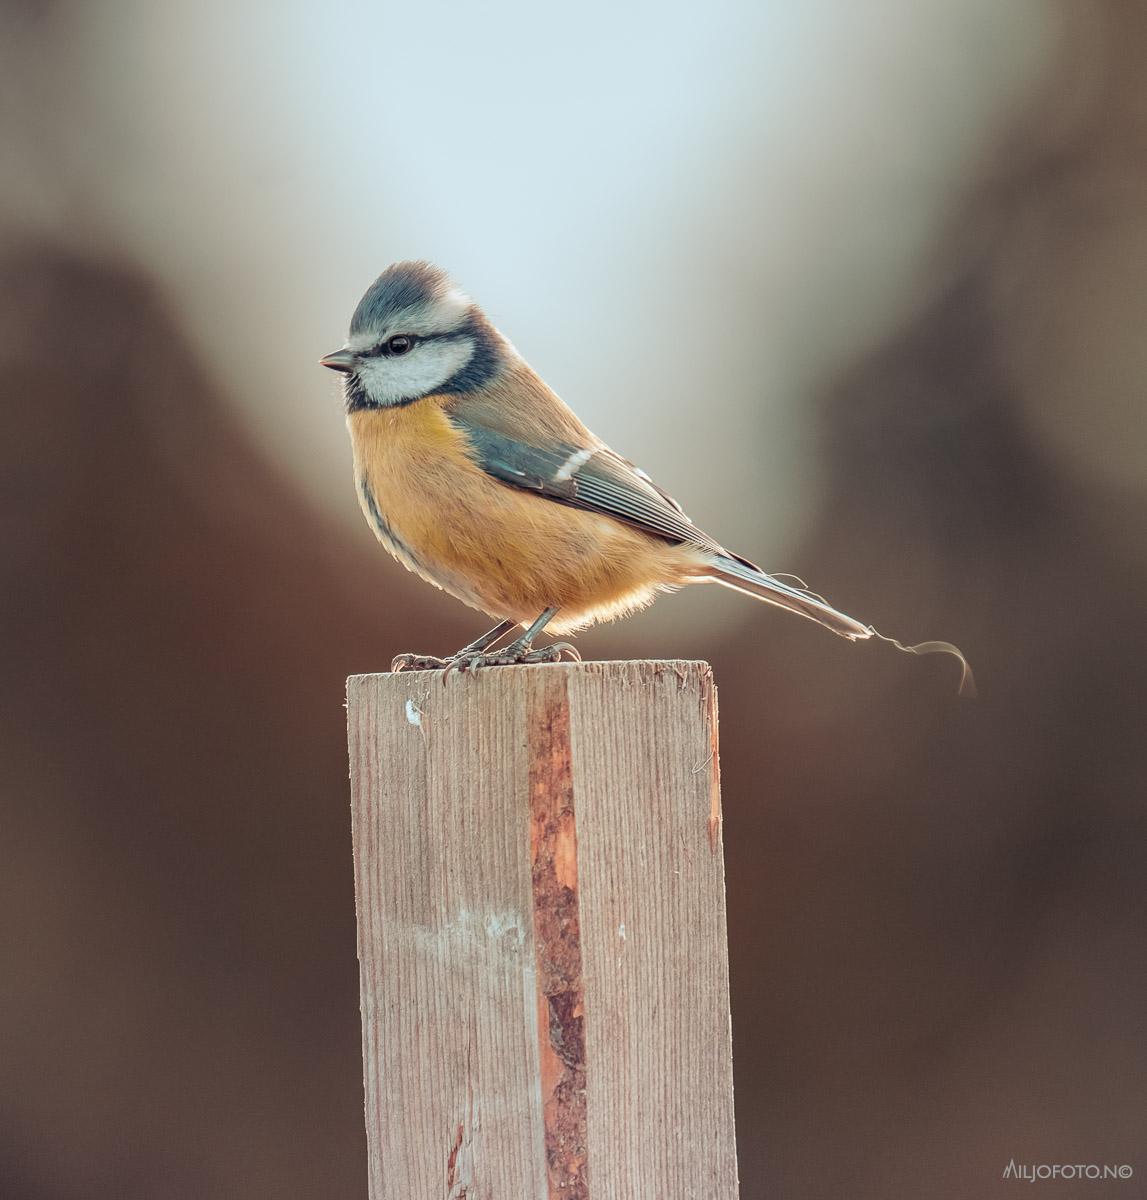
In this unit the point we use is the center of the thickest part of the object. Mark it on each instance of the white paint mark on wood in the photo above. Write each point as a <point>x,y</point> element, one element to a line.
<point>506,923</point>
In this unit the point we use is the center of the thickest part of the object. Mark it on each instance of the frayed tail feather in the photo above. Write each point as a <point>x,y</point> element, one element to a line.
<point>744,576</point>
<point>967,689</point>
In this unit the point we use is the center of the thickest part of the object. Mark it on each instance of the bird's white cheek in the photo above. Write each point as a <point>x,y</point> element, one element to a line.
<point>419,373</point>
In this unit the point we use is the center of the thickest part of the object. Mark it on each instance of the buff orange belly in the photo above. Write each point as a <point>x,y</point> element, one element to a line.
<point>507,552</point>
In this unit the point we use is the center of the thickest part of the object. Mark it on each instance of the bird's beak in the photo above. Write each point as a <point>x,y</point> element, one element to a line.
<point>340,360</point>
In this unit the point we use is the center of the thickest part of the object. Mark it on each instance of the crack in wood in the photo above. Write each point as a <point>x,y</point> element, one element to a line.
<point>452,1160</point>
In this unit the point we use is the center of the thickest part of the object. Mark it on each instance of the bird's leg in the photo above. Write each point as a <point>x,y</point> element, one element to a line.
<point>520,651</point>
<point>425,662</point>
<point>516,651</point>
<point>487,639</point>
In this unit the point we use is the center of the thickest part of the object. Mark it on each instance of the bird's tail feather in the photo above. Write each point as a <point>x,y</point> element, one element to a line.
<point>742,575</point>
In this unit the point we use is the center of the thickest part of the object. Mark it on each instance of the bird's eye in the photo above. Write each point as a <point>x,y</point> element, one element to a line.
<point>401,343</point>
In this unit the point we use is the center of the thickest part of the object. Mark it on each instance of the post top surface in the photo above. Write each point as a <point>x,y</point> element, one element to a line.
<point>630,669</point>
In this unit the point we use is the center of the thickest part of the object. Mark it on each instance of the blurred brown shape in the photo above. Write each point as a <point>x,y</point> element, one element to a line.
<point>937,912</point>
<point>180,1003</point>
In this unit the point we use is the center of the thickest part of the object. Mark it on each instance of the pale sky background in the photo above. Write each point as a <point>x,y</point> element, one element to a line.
<point>687,219</point>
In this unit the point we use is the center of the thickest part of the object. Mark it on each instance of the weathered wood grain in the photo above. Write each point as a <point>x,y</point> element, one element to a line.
<point>541,912</point>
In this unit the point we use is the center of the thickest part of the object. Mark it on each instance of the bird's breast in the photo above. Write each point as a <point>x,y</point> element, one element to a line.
<point>412,474</point>
<point>501,549</point>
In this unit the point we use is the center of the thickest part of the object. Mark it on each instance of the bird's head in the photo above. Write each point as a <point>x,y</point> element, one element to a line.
<point>415,334</point>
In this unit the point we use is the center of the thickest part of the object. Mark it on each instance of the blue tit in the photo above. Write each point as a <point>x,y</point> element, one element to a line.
<point>474,474</point>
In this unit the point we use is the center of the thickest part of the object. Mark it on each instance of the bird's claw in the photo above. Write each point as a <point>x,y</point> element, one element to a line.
<point>419,662</point>
<point>555,651</point>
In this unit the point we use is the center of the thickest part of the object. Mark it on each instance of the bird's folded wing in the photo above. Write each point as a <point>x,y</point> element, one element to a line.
<point>589,477</point>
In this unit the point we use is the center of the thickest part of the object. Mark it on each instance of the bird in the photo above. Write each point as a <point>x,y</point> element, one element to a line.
<point>475,475</point>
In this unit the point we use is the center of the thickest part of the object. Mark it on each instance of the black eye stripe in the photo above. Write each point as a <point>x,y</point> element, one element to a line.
<point>384,350</point>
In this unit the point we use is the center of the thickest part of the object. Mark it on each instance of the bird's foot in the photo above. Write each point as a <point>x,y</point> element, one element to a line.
<point>511,657</point>
<point>475,660</point>
<point>553,653</point>
<point>419,662</point>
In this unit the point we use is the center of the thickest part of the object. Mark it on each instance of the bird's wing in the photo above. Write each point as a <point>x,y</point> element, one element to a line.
<point>591,477</point>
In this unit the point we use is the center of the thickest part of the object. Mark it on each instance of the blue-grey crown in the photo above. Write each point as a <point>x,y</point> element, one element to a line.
<point>402,285</point>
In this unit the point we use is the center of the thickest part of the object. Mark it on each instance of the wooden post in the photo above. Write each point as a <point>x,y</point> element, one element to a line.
<point>541,933</point>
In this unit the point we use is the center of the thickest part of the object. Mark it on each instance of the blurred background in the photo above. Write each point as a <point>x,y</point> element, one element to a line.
<point>864,285</point>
